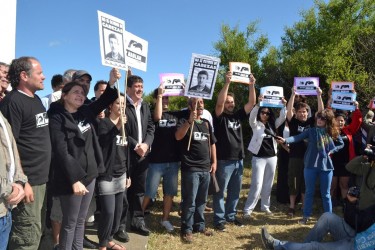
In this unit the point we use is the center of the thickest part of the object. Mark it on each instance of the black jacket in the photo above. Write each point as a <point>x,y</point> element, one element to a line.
<point>131,127</point>
<point>68,144</point>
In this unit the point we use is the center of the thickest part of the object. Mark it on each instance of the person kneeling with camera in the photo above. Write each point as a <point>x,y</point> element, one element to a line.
<point>359,215</point>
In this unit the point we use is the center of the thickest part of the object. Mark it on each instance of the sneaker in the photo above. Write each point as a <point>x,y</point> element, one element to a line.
<point>235,222</point>
<point>267,240</point>
<point>247,215</point>
<point>304,221</point>
<point>56,247</point>
<point>291,212</point>
<point>187,238</point>
<point>167,225</point>
<point>220,227</point>
<point>267,212</point>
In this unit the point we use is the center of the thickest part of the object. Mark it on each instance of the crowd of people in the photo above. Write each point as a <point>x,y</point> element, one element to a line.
<point>113,151</point>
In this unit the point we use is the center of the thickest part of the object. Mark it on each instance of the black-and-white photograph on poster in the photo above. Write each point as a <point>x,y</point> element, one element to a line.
<point>240,72</point>
<point>136,51</point>
<point>202,76</point>
<point>111,37</point>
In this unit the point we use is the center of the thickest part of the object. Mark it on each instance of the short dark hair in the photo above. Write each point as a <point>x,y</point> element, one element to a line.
<point>112,35</point>
<point>203,72</point>
<point>232,95</point>
<point>301,105</point>
<point>56,80</point>
<point>17,66</point>
<point>96,87</point>
<point>133,79</point>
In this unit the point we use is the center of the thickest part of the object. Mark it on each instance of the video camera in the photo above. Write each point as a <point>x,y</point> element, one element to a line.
<point>370,153</point>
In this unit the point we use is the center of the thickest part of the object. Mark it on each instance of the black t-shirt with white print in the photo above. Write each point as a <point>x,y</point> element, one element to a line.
<point>164,147</point>
<point>229,145</point>
<point>29,122</point>
<point>198,157</point>
<point>297,150</point>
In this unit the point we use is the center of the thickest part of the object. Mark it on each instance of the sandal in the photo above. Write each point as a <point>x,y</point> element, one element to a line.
<point>116,245</point>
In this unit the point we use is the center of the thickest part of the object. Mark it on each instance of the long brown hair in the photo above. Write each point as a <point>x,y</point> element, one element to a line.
<point>331,124</point>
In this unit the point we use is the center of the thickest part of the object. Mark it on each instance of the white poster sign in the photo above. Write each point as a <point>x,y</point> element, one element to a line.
<point>306,85</point>
<point>344,101</point>
<point>240,72</point>
<point>202,76</point>
<point>272,96</point>
<point>342,86</point>
<point>173,83</point>
<point>111,37</point>
<point>136,51</point>
<point>8,30</point>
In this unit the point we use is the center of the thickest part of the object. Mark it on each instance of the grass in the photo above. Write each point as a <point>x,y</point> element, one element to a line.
<point>247,237</point>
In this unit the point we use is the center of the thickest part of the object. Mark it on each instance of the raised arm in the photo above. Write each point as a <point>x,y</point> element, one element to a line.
<point>158,104</point>
<point>223,95</point>
<point>320,100</point>
<point>252,96</point>
<point>289,114</point>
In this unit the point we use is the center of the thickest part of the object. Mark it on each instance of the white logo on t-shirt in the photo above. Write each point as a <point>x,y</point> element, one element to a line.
<point>234,125</point>
<point>301,128</point>
<point>200,136</point>
<point>167,123</point>
<point>83,126</point>
<point>119,140</point>
<point>41,119</point>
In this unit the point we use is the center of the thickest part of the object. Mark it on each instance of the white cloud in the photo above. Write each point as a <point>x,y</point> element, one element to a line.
<point>54,43</point>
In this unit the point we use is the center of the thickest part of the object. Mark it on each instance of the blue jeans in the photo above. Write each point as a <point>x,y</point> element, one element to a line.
<point>325,177</point>
<point>5,226</point>
<point>194,189</point>
<point>342,233</point>
<point>169,172</point>
<point>229,177</point>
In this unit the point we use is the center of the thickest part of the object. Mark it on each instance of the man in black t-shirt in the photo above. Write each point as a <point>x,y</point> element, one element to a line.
<point>230,153</point>
<point>164,157</point>
<point>198,158</point>
<point>298,122</point>
<point>28,118</point>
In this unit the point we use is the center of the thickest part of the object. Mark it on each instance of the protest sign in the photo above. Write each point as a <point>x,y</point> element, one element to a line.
<point>111,37</point>
<point>272,96</point>
<point>136,51</point>
<point>306,85</point>
<point>173,83</point>
<point>240,72</point>
<point>343,101</point>
<point>342,86</point>
<point>202,76</point>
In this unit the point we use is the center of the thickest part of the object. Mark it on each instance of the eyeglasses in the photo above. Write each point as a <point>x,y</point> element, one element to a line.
<point>321,117</point>
<point>265,113</point>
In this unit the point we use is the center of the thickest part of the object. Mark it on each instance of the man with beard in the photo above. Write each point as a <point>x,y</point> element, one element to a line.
<point>230,153</point>
<point>198,158</point>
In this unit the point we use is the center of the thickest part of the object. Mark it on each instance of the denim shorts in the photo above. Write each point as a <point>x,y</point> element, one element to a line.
<point>156,171</point>
<point>116,185</point>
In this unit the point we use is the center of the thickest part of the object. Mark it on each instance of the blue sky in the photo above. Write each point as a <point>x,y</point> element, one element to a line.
<point>64,34</point>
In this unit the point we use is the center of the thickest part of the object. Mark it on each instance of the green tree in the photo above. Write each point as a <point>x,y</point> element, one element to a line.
<point>332,41</point>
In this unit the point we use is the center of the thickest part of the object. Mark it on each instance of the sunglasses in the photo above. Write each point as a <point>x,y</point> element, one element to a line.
<point>265,113</point>
<point>321,117</point>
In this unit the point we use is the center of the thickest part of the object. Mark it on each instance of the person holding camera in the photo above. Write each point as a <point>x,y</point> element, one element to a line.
<point>359,214</point>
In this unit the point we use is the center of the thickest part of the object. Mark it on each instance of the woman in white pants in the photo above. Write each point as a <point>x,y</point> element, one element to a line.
<point>264,150</point>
